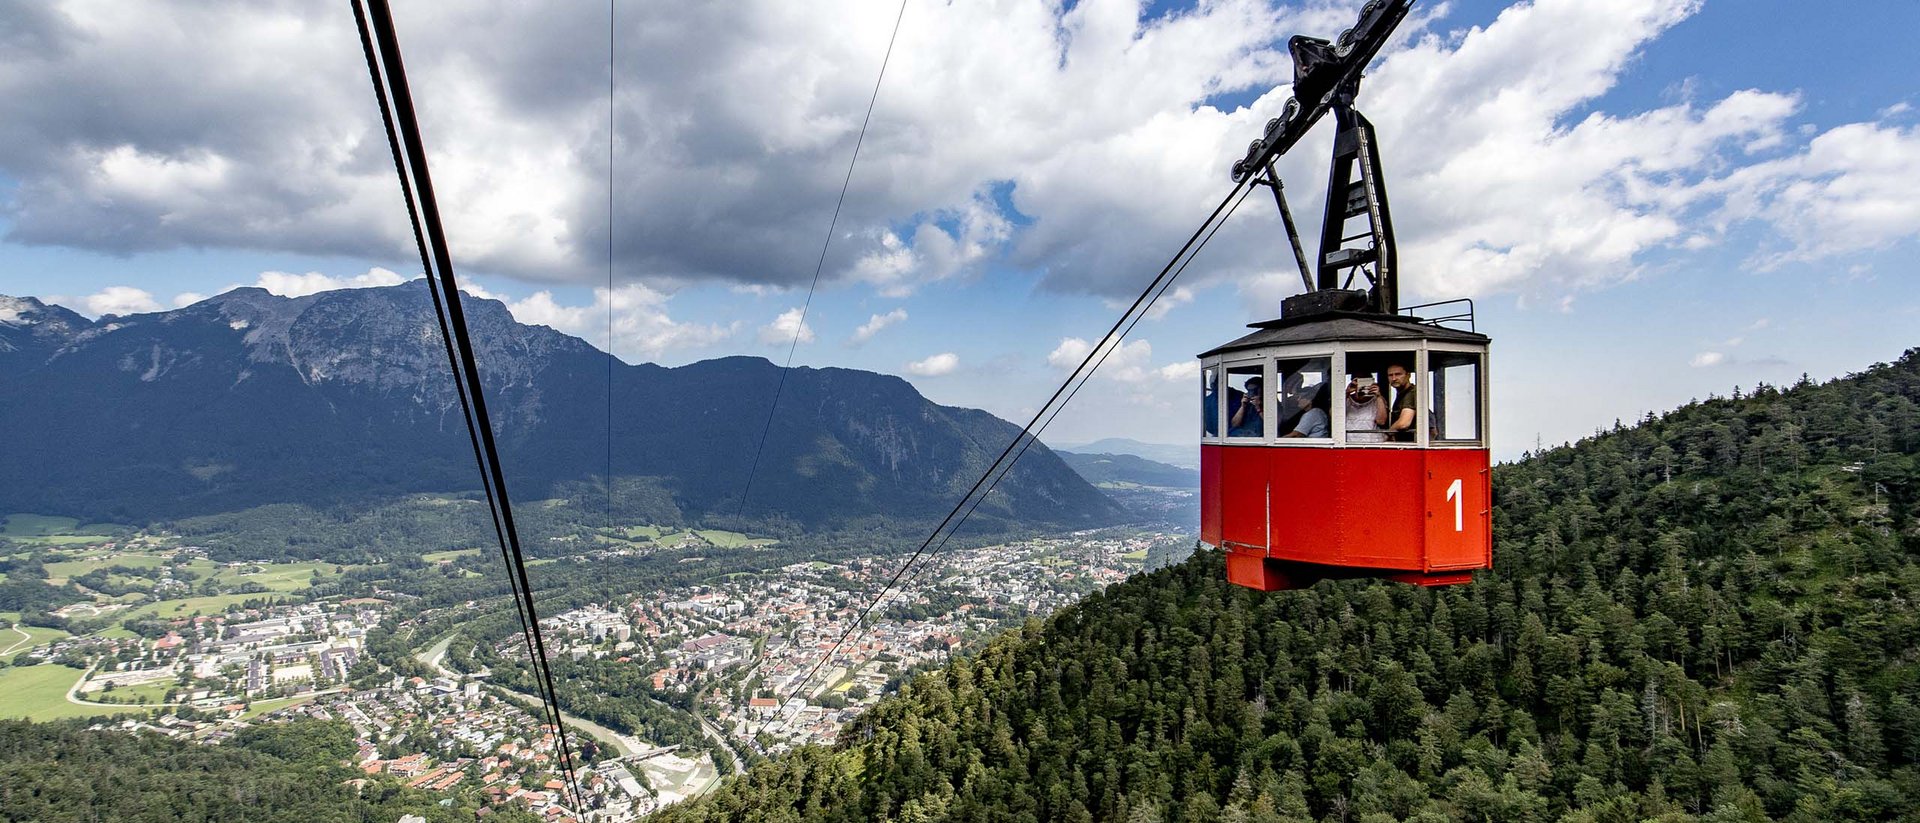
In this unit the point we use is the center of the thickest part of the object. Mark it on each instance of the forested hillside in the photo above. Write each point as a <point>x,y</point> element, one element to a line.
<point>293,772</point>
<point>1710,615</point>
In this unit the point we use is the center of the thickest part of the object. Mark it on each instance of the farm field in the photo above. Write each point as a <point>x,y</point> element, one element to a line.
<point>260,707</point>
<point>53,531</point>
<point>17,639</point>
<point>154,693</point>
<point>733,540</point>
<point>278,577</point>
<point>212,604</point>
<point>95,559</point>
<point>39,693</point>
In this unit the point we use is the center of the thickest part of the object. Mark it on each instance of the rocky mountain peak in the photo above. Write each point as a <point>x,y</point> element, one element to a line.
<point>249,398</point>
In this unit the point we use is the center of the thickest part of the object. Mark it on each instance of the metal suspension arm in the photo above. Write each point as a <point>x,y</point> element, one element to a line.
<point>1321,68</point>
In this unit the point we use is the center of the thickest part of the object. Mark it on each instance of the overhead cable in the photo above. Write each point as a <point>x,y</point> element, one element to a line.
<point>1081,373</point>
<point>388,73</point>
<point>801,325</point>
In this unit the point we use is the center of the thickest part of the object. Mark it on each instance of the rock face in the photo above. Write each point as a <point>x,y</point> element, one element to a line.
<point>248,398</point>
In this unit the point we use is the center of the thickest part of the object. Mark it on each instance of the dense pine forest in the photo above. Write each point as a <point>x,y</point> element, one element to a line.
<point>1710,615</point>
<point>288,772</point>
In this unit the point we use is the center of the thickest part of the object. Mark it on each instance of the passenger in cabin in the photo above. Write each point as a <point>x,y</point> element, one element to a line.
<point>1366,412</point>
<point>1401,412</point>
<point>1314,419</point>
<point>1292,402</point>
<point>1246,420</point>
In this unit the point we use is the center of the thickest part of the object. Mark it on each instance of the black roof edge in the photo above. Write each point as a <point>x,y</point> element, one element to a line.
<point>1358,325</point>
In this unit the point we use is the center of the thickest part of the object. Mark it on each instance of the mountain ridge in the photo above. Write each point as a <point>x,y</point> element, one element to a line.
<point>250,398</point>
<point>1186,457</point>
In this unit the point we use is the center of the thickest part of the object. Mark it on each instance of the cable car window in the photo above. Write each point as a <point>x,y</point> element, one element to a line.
<point>1304,408</point>
<point>1453,382</point>
<point>1210,401</point>
<point>1246,401</point>
<point>1366,406</point>
<point>1393,378</point>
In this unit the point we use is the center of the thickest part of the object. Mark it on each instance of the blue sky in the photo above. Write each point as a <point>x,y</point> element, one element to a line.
<point>1647,209</point>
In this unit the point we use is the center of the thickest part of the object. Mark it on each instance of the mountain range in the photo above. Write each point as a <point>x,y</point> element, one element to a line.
<point>251,398</point>
<point>1186,457</point>
<point>1128,469</point>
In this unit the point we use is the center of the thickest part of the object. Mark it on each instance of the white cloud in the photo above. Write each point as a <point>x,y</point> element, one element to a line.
<point>119,300</point>
<point>732,131</point>
<point>1850,191</point>
<point>187,298</point>
<point>935,366</point>
<point>313,282</point>
<point>1071,352</point>
<point>1706,359</point>
<point>1130,362</point>
<point>642,327</point>
<point>738,119</point>
<point>1171,299</point>
<point>875,324</point>
<point>784,329</point>
<point>1186,370</point>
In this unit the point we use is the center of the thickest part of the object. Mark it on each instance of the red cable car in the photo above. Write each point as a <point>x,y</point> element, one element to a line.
<point>1300,481</point>
<point>1346,438</point>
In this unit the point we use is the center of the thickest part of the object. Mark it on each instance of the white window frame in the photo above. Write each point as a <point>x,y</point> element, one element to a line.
<point>1418,368</point>
<point>1311,352</point>
<point>1241,360</point>
<point>1219,401</point>
<point>1484,441</point>
<point>1269,356</point>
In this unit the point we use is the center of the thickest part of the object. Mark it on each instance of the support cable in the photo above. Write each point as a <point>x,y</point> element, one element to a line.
<point>915,582</point>
<point>1081,373</point>
<point>388,73</point>
<point>439,311</point>
<point>801,326</point>
<point>612,20</point>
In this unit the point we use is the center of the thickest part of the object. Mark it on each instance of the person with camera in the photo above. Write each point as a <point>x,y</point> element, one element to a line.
<point>1366,411</point>
<point>1246,421</point>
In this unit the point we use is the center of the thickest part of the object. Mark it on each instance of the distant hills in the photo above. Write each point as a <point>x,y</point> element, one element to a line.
<point>1705,617</point>
<point>1187,456</point>
<point>1127,469</point>
<point>249,398</point>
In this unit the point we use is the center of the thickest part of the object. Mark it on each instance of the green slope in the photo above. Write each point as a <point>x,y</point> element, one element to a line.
<point>1710,615</point>
<point>59,772</point>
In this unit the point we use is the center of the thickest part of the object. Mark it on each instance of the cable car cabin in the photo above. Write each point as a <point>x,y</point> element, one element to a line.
<point>1307,473</point>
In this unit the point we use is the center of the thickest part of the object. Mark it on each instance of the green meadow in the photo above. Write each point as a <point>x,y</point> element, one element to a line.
<point>47,530</point>
<point>39,693</point>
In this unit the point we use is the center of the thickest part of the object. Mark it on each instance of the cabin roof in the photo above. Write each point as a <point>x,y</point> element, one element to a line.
<point>1344,326</point>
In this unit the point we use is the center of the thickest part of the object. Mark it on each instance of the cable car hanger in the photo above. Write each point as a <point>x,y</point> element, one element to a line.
<point>1328,73</point>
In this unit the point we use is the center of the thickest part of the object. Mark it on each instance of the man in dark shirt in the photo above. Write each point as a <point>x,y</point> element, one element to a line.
<point>1401,415</point>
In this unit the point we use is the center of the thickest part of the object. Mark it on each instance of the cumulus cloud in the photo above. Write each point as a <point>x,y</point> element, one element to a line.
<point>787,328</point>
<point>1129,362</point>
<point>732,128</point>
<point>1706,359</point>
<point>119,300</point>
<point>1850,191</point>
<point>313,282</point>
<point>935,366</point>
<point>875,324</point>
<point>642,328</point>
